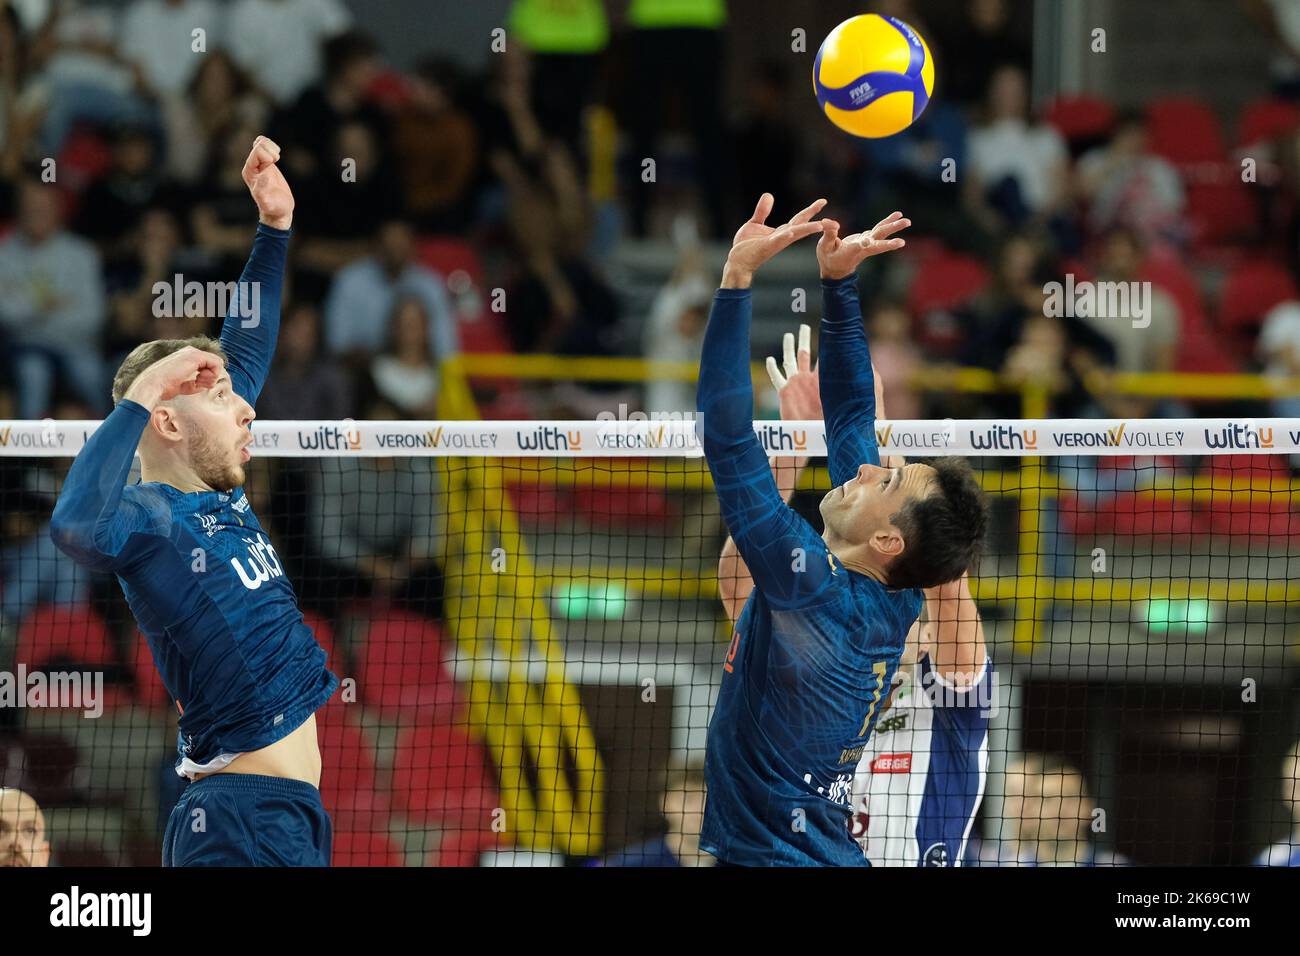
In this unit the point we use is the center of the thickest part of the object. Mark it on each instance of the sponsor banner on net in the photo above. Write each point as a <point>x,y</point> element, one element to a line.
<point>681,439</point>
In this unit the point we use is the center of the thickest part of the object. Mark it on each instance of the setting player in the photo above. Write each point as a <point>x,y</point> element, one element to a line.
<point>820,637</point>
<point>921,777</point>
<point>205,585</point>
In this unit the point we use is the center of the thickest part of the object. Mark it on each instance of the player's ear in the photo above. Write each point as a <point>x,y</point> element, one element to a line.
<point>165,423</point>
<point>888,541</point>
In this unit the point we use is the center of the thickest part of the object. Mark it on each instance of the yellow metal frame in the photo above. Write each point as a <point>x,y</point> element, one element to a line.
<point>495,613</point>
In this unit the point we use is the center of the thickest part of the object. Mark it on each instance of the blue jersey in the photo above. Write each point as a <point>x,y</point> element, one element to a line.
<point>816,646</point>
<point>199,572</point>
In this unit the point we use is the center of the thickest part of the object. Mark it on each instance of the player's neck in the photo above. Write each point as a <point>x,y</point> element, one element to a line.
<point>182,479</point>
<point>853,559</point>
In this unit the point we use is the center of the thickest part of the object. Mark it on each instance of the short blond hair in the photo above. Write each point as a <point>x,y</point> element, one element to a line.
<point>142,356</point>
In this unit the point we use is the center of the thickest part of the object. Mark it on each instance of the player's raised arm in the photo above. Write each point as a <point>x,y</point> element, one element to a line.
<point>846,376</point>
<point>252,323</point>
<point>765,530</point>
<point>91,523</point>
<point>955,633</point>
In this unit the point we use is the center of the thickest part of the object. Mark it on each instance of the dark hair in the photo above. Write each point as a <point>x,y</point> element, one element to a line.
<point>340,52</point>
<point>142,356</point>
<point>944,532</point>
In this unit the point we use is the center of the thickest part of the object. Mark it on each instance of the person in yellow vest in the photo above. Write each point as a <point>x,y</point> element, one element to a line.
<point>676,52</point>
<point>566,39</point>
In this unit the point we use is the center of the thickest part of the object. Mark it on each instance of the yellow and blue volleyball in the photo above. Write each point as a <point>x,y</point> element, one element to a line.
<point>873,76</point>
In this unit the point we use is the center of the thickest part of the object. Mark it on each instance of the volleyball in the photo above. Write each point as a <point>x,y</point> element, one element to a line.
<point>873,76</point>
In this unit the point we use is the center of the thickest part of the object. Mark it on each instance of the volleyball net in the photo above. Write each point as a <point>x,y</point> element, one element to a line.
<point>526,622</point>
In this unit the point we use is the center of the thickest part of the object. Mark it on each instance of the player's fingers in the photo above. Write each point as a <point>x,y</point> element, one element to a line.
<point>807,212</point>
<point>763,208</point>
<point>788,234</point>
<point>804,356</point>
<point>778,381</point>
<point>787,348</point>
<point>269,146</point>
<point>887,228</point>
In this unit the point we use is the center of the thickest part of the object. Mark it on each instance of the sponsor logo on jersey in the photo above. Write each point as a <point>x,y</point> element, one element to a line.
<point>852,754</point>
<point>240,504</point>
<point>211,525</point>
<point>936,855</point>
<point>891,723</point>
<point>892,763</point>
<point>263,564</point>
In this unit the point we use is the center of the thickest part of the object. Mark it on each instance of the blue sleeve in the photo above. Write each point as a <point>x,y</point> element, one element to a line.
<point>91,522</point>
<point>780,548</point>
<point>249,339</point>
<point>848,389</point>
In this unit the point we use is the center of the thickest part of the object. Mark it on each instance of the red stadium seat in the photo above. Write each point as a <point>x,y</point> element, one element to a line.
<point>400,668</point>
<point>1080,117</point>
<point>69,632</point>
<point>1250,291</point>
<point>623,507</point>
<point>441,776</point>
<point>349,785</point>
<point>1247,466</point>
<point>946,281</point>
<point>1146,515</point>
<point>1185,131</point>
<point>1267,119</point>
<point>1219,208</point>
<point>1170,274</point>
<point>1259,516</point>
<point>323,630</point>
<point>365,849</point>
<point>481,329</point>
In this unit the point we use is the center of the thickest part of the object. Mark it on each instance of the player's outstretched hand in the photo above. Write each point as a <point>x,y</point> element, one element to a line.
<point>756,242</point>
<point>185,372</point>
<point>270,191</point>
<point>797,388</point>
<point>839,257</point>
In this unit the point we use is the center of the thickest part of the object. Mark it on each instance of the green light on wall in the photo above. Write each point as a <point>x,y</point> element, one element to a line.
<point>578,601</point>
<point>1190,617</point>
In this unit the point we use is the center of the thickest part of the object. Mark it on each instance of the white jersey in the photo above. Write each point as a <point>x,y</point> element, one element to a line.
<point>922,773</point>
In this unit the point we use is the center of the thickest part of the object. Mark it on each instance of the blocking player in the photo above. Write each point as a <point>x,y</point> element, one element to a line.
<point>921,776</point>
<point>201,577</point>
<point>819,639</point>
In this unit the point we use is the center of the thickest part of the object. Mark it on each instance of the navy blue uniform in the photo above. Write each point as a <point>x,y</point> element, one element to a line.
<point>816,646</point>
<point>200,574</point>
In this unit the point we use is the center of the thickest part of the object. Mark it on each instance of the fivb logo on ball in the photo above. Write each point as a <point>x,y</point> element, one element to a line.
<point>873,76</point>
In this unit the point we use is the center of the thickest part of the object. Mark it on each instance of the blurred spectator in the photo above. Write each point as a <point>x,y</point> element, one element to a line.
<point>52,306</point>
<point>221,211</point>
<point>565,38</point>
<point>84,79</point>
<point>986,37</point>
<point>1020,166</point>
<point>158,37</point>
<point>677,51</point>
<point>306,130</point>
<point>1287,852</point>
<point>150,255</point>
<point>1145,334</point>
<point>1280,20</point>
<point>18,120</point>
<point>438,151</point>
<point>375,523</point>
<point>765,143</point>
<point>896,358</point>
<point>682,805</point>
<point>305,384</point>
<point>22,830</point>
<point>1057,354</point>
<point>1279,352</point>
<point>559,305</point>
<point>113,205</point>
<point>993,321</point>
<point>363,296</point>
<point>1124,184</point>
<point>674,332</point>
<point>342,208</point>
<point>279,42</point>
<point>218,98</point>
<point>405,374</point>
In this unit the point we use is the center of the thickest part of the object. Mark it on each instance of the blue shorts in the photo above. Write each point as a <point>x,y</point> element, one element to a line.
<point>244,819</point>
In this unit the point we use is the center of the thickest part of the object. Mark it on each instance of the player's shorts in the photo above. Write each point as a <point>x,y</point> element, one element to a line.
<point>248,820</point>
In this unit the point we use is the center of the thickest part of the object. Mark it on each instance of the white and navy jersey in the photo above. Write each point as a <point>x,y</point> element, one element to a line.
<point>922,774</point>
<point>1280,854</point>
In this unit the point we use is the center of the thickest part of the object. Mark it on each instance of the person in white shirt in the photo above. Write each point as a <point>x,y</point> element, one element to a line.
<point>158,35</point>
<point>1287,852</point>
<point>1020,167</point>
<point>278,41</point>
